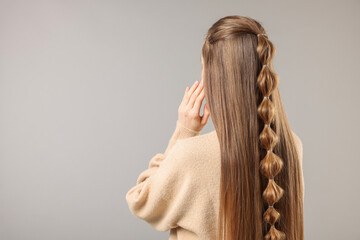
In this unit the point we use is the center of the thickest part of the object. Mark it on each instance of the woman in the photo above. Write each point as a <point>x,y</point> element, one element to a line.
<point>243,180</point>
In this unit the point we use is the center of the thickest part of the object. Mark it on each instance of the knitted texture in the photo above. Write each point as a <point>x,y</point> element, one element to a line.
<point>179,190</point>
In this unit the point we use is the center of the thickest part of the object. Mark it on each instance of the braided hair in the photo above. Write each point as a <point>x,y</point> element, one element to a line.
<point>250,122</point>
<point>271,164</point>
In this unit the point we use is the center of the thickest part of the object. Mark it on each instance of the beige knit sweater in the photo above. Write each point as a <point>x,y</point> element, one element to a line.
<point>179,189</point>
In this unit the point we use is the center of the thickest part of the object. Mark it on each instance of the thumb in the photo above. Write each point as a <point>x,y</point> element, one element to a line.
<point>206,114</point>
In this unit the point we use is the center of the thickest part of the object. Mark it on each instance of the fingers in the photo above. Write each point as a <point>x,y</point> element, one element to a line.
<point>199,101</point>
<point>185,95</point>
<point>195,94</point>
<point>189,108</point>
<point>189,92</point>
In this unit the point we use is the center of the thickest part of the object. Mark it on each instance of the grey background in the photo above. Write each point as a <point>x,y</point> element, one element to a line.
<point>89,92</point>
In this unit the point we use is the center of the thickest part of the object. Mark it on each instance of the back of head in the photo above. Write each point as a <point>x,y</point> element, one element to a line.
<point>261,193</point>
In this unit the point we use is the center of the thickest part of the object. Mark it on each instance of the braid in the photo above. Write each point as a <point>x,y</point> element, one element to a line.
<point>271,164</point>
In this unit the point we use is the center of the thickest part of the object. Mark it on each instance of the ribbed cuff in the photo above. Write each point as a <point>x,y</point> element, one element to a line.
<point>185,132</point>
<point>180,132</point>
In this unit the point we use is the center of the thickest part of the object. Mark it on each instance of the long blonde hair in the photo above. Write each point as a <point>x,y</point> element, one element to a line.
<point>261,192</point>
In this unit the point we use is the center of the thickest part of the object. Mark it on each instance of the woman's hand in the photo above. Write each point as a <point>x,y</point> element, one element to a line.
<point>189,109</point>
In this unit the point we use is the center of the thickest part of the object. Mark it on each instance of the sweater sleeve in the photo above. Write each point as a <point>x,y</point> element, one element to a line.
<point>156,197</point>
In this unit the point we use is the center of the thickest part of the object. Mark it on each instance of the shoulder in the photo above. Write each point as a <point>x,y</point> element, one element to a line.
<point>299,149</point>
<point>200,143</point>
<point>195,151</point>
<point>297,140</point>
<point>199,160</point>
<point>299,144</point>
